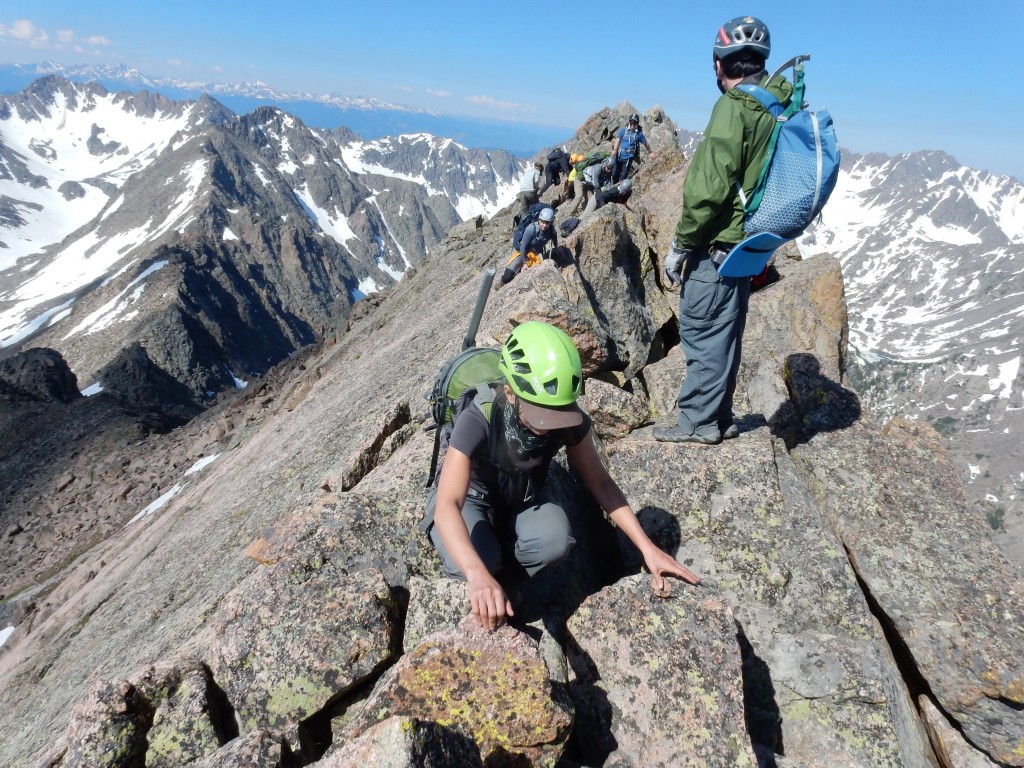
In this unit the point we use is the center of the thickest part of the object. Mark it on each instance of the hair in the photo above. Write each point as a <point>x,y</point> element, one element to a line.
<point>743,63</point>
<point>539,166</point>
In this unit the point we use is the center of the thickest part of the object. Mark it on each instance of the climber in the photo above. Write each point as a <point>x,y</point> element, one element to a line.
<point>627,147</point>
<point>713,308</point>
<point>488,511</point>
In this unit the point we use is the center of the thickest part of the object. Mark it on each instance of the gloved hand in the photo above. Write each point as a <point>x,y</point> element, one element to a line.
<point>675,261</point>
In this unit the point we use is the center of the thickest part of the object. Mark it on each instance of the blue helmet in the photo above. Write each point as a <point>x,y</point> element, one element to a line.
<point>741,34</point>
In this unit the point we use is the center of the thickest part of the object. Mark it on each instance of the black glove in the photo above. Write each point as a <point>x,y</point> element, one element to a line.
<point>675,261</point>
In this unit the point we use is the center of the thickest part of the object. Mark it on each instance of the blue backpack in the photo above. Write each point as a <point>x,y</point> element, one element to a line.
<point>801,166</point>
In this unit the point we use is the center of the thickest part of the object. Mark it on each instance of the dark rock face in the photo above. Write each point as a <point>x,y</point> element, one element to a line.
<point>143,386</point>
<point>846,583</point>
<point>39,374</point>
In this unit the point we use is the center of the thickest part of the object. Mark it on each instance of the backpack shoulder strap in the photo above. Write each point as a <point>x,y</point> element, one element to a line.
<point>768,99</point>
<point>484,400</point>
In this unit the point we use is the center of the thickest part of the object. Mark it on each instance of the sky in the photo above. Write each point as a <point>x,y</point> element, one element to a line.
<point>896,75</point>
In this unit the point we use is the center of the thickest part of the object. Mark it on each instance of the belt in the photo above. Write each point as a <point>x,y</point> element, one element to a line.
<point>718,251</point>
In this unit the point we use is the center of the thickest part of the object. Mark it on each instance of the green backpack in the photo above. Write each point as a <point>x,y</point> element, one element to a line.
<point>592,159</point>
<point>472,368</point>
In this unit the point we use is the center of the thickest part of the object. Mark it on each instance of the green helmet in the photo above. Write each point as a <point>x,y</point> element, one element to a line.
<point>542,365</point>
<point>740,34</point>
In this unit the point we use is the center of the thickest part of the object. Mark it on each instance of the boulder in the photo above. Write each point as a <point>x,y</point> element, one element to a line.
<point>493,686</point>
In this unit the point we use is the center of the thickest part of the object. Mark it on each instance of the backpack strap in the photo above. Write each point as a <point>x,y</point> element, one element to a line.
<point>483,398</point>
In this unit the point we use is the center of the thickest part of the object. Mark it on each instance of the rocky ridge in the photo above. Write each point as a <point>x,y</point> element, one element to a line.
<point>281,609</point>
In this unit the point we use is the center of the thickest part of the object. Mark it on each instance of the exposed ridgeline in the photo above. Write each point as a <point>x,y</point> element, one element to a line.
<point>282,609</point>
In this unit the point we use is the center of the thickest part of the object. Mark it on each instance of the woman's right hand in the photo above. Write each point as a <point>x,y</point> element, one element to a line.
<point>488,601</point>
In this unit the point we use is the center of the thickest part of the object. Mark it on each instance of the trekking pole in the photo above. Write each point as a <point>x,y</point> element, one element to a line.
<point>478,310</point>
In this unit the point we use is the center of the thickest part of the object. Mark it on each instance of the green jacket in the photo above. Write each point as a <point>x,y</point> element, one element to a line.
<point>731,151</point>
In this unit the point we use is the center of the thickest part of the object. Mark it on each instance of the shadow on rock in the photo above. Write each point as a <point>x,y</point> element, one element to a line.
<point>592,740</point>
<point>760,709</point>
<point>816,403</point>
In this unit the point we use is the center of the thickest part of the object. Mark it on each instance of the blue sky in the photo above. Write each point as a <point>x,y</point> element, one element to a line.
<point>897,75</point>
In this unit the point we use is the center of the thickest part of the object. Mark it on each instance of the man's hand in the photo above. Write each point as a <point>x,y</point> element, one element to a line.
<point>674,263</point>
<point>488,601</point>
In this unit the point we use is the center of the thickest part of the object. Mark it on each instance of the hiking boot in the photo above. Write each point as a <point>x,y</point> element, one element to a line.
<point>676,434</point>
<point>730,432</point>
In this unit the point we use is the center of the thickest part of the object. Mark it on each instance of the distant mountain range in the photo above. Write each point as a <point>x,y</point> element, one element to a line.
<point>933,263</point>
<point>217,244</point>
<point>369,118</point>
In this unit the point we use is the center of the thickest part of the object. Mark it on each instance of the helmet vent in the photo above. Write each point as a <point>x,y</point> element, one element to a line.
<point>551,387</point>
<point>524,385</point>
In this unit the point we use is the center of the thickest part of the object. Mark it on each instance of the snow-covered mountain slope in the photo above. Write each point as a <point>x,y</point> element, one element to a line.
<point>476,181</point>
<point>129,219</point>
<point>933,261</point>
<point>66,149</point>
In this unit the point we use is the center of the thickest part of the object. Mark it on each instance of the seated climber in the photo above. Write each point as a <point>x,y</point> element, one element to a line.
<point>618,193</point>
<point>532,242</point>
<point>488,511</point>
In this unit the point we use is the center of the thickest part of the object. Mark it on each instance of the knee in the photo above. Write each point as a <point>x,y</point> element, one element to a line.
<point>555,547</point>
<point>545,548</point>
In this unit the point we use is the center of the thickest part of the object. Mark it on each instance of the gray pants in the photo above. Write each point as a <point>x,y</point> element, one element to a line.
<point>540,532</point>
<point>712,317</point>
<point>580,194</point>
<point>527,198</point>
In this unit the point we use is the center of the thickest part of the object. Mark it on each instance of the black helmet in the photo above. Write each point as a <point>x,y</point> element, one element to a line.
<point>634,118</point>
<point>743,33</point>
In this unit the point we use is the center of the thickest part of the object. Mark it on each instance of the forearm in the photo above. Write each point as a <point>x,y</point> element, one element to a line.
<point>626,521</point>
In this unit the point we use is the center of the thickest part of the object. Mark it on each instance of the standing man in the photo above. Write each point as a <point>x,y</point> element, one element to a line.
<point>594,178</point>
<point>557,164</point>
<point>528,188</point>
<point>713,309</point>
<point>627,146</point>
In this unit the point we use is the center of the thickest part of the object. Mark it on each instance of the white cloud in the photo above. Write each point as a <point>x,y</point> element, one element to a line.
<point>25,31</point>
<point>441,94</point>
<point>176,62</point>
<point>490,101</point>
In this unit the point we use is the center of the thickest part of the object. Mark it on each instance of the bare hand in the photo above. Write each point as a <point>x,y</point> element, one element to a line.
<point>660,563</point>
<point>488,602</point>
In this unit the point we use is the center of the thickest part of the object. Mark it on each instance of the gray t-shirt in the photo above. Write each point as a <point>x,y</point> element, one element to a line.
<point>506,472</point>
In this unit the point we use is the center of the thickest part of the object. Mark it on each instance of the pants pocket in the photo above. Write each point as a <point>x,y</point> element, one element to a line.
<point>701,295</point>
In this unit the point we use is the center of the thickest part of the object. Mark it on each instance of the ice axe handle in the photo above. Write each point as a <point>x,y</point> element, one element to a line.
<point>478,310</point>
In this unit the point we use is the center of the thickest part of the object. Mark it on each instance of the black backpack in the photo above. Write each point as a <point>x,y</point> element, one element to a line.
<point>472,368</point>
<point>527,219</point>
